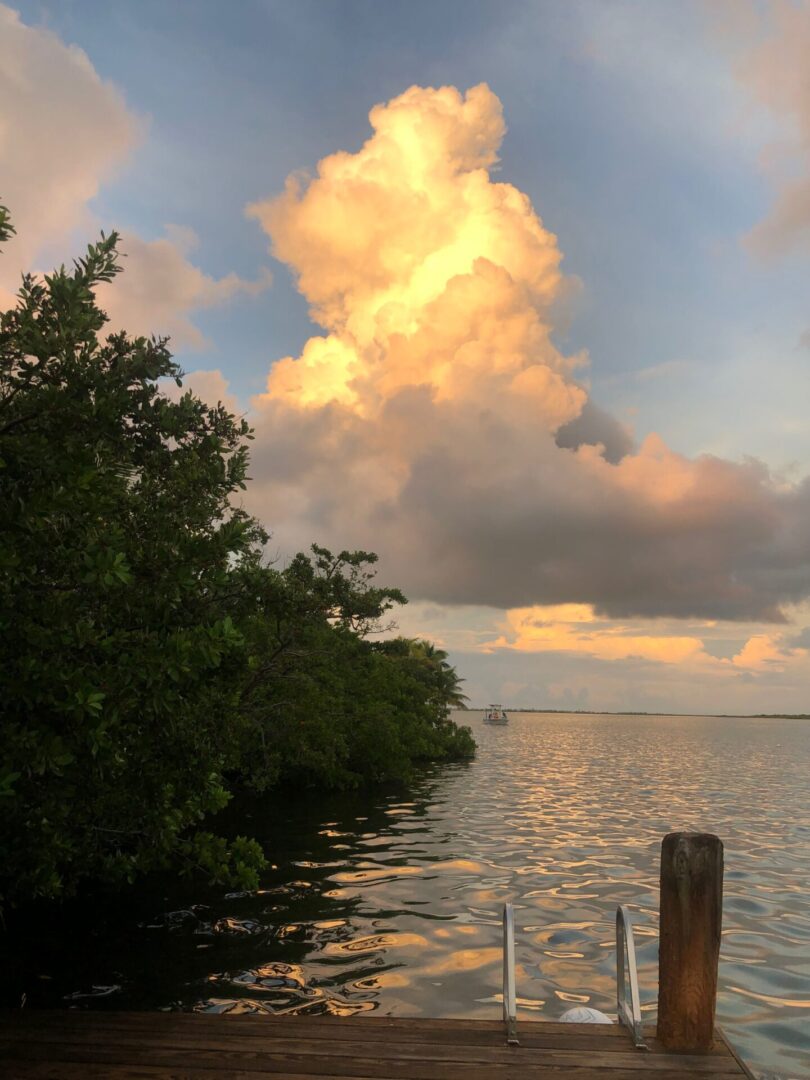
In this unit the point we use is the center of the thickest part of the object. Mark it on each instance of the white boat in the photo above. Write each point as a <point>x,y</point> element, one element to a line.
<point>494,714</point>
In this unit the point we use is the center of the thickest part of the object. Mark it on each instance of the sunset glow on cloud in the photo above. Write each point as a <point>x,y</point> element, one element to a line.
<point>576,629</point>
<point>531,630</point>
<point>435,413</point>
<point>424,271</point>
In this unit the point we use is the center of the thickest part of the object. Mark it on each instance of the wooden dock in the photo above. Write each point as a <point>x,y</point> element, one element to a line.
<point>82,1045</point>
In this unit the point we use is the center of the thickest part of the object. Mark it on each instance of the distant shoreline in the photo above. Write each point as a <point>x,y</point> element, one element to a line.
<point>635,712</point>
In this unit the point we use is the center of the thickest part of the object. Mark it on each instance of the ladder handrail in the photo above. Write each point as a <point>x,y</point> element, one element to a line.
<point>626,970</point>
<point>625,942</point>
<point>509,994</point>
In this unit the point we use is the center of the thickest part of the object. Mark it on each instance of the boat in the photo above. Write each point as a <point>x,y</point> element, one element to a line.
<point>494,714</point>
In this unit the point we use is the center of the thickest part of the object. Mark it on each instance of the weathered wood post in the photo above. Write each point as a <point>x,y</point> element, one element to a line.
<point>689,950</point>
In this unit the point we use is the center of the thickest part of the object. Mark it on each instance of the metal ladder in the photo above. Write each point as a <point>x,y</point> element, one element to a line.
<point>626,946</point>
<point>626,970</point>
<point>509,996</point>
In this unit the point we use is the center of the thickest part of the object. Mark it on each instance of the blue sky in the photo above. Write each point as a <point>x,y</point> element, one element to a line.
<point>639,133</point>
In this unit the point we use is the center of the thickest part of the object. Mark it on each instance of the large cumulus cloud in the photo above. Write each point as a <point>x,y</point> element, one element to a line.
<point>436,420</point>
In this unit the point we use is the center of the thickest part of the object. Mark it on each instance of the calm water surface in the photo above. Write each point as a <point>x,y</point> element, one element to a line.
<point>392,903</point>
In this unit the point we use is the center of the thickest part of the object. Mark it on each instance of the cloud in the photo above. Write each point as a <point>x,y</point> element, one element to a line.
<point>424,272</point>
<point>774,66</point>
<point>56,108</point>
<point>437,421</point>
<point>575,628</point>
<point>209,386</point>
<point>541,630</point>
<point>596,427</point>
<point>64,132</point>
<point>161,288</point>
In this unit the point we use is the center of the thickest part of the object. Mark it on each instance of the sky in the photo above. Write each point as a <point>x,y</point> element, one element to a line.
<point>514,294</point>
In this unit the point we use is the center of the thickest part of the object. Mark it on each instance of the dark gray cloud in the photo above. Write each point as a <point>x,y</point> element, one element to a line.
<point>595,426</point>
<point>467,506</point>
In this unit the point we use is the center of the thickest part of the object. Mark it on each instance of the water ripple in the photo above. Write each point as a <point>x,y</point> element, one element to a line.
<point>394,904</point>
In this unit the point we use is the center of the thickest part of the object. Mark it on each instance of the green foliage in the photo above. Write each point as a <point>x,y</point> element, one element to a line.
<point>432,668</point>
<point>119,650</point>
<point>324,704</point>
<point>7,230</point>
<point>149,660</point>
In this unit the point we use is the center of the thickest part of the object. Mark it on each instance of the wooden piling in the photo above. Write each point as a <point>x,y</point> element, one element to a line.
<point>689,951</point>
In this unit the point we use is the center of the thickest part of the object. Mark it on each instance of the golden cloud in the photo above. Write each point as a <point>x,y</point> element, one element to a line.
<point>575,628</point>
<point>424,271</point>
<point>538,629</point>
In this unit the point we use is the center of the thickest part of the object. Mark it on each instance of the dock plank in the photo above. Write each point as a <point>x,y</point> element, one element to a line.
<point>73,1043</point>
<point>72,1024</point>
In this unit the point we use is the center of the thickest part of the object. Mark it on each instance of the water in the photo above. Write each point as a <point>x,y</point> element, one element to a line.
<point>392,903</point>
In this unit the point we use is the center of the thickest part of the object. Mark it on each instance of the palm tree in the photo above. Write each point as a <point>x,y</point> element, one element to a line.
<point>448,682</point>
